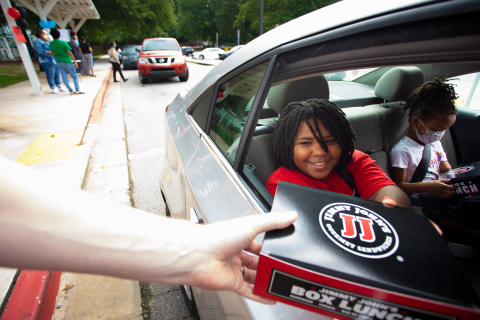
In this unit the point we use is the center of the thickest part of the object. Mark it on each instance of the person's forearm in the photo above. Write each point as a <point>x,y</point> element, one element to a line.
<point>411,188</point>
<point>71,56</point>
<point>52,222</point>
<point>394,192</point>
<point>47,226</point>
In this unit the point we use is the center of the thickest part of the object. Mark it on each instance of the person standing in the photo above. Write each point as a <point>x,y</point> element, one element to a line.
<point>87,60</point>
<point>77,53</point>
<point>65,61</point>
<point>112,53</point>
<point>46,60</point>
<point>120,55</point>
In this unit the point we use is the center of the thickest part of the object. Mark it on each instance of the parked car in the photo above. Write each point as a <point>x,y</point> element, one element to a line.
<point>161,58</point>
<point>209,53</point>
<point>187,51</point>
<point>223,56</point>
<point>130,56</point>
<point>219,156</point>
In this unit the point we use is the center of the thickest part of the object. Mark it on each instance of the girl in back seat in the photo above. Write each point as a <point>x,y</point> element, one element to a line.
<point>432,111</point>
<point>313,141</point>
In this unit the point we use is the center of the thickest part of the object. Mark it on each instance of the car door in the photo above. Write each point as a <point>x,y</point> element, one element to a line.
<point>215,191</point>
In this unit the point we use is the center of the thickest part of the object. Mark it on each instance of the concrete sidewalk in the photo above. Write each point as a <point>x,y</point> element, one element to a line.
<point>26,119</point>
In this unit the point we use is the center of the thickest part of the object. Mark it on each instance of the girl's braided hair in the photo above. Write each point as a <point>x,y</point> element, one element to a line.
<point>431,98</point>
<point>332,118</point>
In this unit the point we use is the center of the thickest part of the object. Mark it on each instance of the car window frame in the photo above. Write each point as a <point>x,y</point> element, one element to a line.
<point>352,63</point>
<point>428,11</point>
<point>221,82</point>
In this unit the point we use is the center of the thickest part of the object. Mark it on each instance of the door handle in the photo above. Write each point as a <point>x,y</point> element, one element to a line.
<point>194,217</point>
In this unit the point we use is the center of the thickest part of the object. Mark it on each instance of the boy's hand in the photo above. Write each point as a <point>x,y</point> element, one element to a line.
<point>440,189</point>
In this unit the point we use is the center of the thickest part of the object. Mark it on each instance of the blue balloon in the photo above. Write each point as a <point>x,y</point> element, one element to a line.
<point>51,24</point>
<point>43,24</point>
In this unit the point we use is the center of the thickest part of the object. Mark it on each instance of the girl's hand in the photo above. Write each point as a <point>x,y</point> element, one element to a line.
<point>440,189</point>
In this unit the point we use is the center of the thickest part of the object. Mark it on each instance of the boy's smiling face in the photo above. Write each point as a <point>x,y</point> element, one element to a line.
<point>308,154</point>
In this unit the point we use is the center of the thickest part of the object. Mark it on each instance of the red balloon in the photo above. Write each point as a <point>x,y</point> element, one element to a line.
<point>14,13</point>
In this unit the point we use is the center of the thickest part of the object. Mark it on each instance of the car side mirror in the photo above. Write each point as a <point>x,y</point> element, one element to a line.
<point>138,50</point>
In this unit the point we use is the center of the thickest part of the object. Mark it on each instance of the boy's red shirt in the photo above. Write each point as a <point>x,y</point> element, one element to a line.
<point>369,178</point>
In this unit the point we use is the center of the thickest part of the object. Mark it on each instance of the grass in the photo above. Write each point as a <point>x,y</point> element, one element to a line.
<point>13,74</point>
<point>6,80</point>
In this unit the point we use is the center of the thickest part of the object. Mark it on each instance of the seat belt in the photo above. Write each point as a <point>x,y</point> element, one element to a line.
<point>347,176</point>
<point>422,168</point>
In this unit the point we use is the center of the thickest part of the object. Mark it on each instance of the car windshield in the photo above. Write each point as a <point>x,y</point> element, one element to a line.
<point>162,44</point>
<point>129,50</point>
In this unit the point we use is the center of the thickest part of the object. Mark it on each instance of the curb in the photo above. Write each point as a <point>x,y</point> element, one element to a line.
<point>34,296</point>
<point>99,99</point>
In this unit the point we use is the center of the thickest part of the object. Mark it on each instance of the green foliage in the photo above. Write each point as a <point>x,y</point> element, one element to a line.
<point>195,20</point>
<point>274,11</point>
<point>130,21</point>
<point>125,20</point>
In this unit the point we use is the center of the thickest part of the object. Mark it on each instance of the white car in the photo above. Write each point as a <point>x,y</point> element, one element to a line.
<point>209,53</point>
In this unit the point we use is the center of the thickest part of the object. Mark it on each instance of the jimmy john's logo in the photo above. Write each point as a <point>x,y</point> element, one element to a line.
<point>359,230</point>
<point>344,303</point>
<point>461,170</point>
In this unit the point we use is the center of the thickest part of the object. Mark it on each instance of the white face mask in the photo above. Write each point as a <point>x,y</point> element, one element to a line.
<point>430,136</point>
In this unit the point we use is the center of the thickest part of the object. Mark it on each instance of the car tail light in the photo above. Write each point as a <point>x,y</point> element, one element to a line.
<point>166,108</point>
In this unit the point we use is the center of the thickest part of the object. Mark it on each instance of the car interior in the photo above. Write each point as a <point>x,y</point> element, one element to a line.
<point>369,75</point>
<point>376,114</point>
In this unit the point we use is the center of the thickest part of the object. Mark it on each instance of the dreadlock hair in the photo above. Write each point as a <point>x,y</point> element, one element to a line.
<point>431,98</point>
<point>332,118</point>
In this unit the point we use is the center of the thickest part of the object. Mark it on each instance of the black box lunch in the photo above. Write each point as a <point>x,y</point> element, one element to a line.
<point>466,178</point>
<point>347,257</point>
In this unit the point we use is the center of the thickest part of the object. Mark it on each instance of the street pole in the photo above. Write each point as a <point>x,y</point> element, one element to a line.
<point>261,17</point>
<point>238,36</point>
<point>22,49</point>
<point>217,39</point>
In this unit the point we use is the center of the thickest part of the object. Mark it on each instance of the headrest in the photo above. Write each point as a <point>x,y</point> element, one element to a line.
<point>299,90</point>
<point>397,83</point>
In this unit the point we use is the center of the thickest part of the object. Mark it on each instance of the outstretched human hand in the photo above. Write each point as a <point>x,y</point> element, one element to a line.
<point>46,226</point>
<point>217,261</point>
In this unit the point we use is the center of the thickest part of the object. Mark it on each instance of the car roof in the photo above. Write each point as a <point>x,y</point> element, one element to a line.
<point>132,46</point>
<point>159,38</point>
<point>324,19</point>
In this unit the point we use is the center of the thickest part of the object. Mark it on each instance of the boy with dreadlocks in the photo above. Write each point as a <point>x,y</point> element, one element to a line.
<point>313,141</point>
<point>432,111</point>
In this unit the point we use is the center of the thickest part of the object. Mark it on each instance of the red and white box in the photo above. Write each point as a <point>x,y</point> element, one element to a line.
<point>350,258</point>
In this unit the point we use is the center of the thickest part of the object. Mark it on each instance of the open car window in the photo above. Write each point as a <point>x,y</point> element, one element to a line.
<point>468,90</point>
<point>230,110</point>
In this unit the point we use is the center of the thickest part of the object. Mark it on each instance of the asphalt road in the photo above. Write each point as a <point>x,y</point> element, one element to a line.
<point>144,107</point>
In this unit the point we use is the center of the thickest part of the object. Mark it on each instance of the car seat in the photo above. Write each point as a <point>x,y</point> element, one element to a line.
<point>394,87</point>
<point>260,161</point>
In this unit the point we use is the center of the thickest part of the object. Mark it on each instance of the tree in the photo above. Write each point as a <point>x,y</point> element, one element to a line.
<point>275,11</point>
<point>123,20</point>
<point>225,14</point>
<point>195,20</point>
